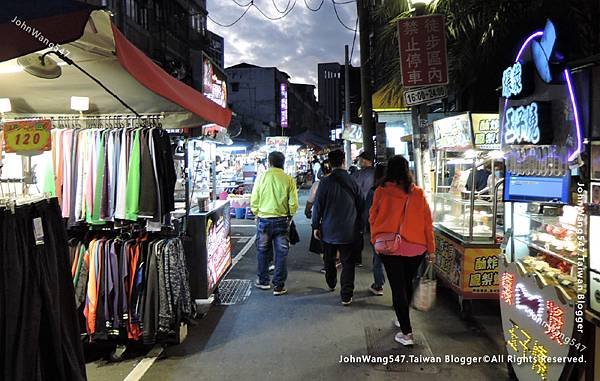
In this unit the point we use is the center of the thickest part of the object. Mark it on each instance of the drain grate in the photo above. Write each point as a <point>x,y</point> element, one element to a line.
<point>380,343</point>
<point>233,291</point>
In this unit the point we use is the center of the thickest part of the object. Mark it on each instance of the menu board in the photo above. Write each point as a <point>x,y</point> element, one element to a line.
<point>218,245</point>
<point>453,133</point>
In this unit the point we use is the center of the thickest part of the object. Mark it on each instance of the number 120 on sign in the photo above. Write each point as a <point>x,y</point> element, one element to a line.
<point>28,136</point>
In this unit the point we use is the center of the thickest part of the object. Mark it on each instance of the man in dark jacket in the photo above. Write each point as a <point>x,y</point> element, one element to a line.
<point>337,222</point>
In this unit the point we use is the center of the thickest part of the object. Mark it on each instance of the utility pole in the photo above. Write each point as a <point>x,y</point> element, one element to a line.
<point>363,9</point>
<point>347,121</point>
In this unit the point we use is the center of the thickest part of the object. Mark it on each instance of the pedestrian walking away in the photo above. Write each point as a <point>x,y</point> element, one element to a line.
<point>364,177</point>
<point>315,244</point>
<point>336,221</point>
<point>274,201</point>
<point>400,207</point>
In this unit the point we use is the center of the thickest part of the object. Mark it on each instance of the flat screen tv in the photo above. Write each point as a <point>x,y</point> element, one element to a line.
<point>536,189</point>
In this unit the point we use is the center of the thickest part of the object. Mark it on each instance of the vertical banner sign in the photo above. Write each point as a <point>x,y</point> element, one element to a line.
<point>423,55</point>
<point>284,104</point>
<point>28,136</point>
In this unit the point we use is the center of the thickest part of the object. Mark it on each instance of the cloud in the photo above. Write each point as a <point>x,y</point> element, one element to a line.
<point>294,44</point>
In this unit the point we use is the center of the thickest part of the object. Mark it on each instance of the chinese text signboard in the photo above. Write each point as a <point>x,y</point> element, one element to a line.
<point>473,271</point>
<point>486,131</point>
<point>284,104</point>
<point>423,56</point>
<point>277,143</point>
<point>538,326</point>
<point>214,85</point>
<point>28,136</point>
<point>453,133</point>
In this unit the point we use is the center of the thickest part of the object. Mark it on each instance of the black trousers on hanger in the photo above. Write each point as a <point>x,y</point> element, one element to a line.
<point>39,329</point>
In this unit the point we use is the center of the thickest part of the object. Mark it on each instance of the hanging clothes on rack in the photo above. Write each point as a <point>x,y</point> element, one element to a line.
<point>138,286</point>
<point>106,175</point>
<point>38,320</point>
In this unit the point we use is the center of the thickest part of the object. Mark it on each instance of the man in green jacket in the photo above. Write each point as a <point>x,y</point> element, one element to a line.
<point>274,201</point>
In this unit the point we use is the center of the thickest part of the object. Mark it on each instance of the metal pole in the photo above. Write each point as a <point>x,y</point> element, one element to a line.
<point>363,7</point>
<point>347,121</point>
<point>416,122</point>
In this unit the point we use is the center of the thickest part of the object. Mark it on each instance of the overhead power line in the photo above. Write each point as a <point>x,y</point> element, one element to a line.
<point>275,18</point>
<point>279,10</point>
<point>236,21</point>
<point>339,18</point>
<point>314,9</point>
<point>283,13</point>
<point>354,40</point>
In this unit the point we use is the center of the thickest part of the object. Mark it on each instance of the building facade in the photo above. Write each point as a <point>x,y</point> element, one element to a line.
<point>171,32</point>
<point>331,77</point>
<point>267,104</point>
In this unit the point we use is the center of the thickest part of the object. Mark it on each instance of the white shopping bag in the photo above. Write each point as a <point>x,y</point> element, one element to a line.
<point>424,296</point>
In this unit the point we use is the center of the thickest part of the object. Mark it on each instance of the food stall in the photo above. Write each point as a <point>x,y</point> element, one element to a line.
<point>465,206</point>
<point>543,269</point>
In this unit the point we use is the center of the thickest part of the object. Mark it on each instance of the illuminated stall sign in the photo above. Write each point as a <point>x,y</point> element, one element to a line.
<point>527,125</point>
<point>277,143</point>
<point>283,90</point>
<point>214,85</point>
<point>523,123</point>
<point>453,132</point>
<point>218,245</point>
<point>517,80</point>
<point>486,131</point>
<point>537,324</point>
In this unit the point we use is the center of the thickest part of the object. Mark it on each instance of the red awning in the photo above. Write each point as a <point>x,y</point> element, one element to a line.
<point>160,82</point>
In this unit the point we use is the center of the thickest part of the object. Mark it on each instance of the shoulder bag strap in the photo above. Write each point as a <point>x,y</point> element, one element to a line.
<point>347,189</point>
<point>404,216</point>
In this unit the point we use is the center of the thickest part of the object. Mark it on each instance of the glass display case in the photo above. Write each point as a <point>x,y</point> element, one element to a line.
<point>466,220</point>
<point>543,239</point>
<point>464,206</point>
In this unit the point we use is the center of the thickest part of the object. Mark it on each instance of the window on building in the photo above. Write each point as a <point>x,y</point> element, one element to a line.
<point>235,87</point>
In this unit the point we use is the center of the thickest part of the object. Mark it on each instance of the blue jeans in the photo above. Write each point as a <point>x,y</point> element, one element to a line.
<point>272,237</point>
<point>378,277</point>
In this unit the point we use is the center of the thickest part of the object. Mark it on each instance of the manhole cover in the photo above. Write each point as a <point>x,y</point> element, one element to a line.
<point>380,343</point>
<point>233,291</point>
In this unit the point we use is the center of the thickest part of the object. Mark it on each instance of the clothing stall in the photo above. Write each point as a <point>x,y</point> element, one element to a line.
<point>90,189</point>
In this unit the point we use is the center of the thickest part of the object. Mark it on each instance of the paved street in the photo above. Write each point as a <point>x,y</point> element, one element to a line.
<point>302,335</point>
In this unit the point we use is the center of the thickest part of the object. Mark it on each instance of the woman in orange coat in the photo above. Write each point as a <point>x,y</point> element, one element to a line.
<point>400,206</point>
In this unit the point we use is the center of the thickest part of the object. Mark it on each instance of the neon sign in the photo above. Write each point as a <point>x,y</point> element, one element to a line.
<point>542,46</point>
<point>520,341</point>
<point>512,80</point>
<point>532,305</point>
<point>521,125</point>
<point>283,90</point>
<point>506,291</point>
<point>555,322</point>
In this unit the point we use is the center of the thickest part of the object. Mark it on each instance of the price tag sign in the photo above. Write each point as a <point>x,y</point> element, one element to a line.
<point>28,136</point>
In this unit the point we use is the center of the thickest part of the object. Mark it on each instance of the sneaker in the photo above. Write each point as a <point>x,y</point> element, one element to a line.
<point>347,302</point>
<point>406,340</point>
<point>257,284</point>
<point>323,270</point>
<point>279,291</point>
<point>271,268</point>
<point>396,323</point>
<point>377,291</point>
<point>331,289</point>
<point>338,264</point>
<point>359,265</point>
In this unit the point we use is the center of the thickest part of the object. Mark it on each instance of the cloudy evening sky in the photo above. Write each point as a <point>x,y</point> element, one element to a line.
<point>294,44</point>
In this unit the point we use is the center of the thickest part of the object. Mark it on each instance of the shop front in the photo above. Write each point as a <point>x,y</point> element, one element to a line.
<point>543,272</point>
<point>89,133</point>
